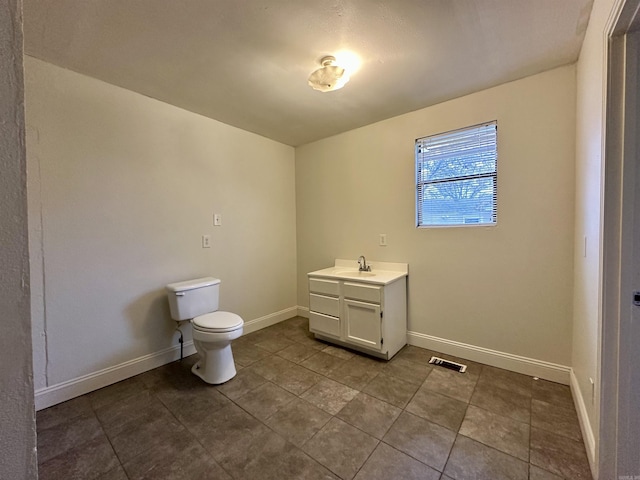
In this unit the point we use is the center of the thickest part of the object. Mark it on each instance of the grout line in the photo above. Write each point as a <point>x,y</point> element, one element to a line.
<point>492,448</point>
<point>368,457</point>
<point>108,439</point>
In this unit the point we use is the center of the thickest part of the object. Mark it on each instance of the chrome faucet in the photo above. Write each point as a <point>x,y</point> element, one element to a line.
<point>363,264</point>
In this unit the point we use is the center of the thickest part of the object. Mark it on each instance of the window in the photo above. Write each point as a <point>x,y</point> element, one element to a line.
<point>456,177</point>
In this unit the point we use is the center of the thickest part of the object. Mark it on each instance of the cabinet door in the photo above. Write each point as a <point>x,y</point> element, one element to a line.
<point>363,324</point>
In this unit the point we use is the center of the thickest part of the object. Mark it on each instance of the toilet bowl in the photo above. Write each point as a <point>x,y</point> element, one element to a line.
<point>212,336</point>
<point>213,330</point>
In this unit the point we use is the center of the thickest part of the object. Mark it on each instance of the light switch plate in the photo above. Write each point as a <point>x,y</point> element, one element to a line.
<point>217,219</point>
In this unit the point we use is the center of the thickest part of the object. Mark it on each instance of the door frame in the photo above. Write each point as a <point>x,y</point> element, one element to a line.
<point>622,116</point>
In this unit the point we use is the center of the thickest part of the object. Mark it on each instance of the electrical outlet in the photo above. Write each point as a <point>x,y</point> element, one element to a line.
<point>383,239</point>
<point>206,241</point>
<point>217,219</point>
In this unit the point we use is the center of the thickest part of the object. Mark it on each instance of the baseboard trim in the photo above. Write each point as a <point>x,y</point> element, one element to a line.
<point>585,424</point>
<point>268,320</point>
<point>61,392</point>
<point>516,363</point>
<point>303,312</point>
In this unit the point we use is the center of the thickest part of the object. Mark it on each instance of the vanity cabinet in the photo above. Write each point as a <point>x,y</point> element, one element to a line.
<point>364,316</point>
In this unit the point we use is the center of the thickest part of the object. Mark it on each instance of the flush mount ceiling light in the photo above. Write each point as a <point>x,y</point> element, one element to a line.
<point>330,77</point>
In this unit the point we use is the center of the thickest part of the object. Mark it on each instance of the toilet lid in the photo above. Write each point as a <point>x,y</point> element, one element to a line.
<point>217,322</point>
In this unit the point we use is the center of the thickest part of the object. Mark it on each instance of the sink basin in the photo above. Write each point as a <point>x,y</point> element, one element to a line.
<point>354,273</point>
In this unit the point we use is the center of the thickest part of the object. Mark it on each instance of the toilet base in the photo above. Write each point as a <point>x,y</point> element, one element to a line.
<point>216,366</point>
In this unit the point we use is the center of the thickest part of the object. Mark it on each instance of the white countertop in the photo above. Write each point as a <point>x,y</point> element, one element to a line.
<point>382,273</point>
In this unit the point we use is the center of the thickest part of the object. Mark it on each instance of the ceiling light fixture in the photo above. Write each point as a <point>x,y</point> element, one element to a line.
<point>330,77</point>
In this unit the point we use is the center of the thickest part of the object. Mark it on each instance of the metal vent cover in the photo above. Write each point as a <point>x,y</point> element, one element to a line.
<point>458,367</point>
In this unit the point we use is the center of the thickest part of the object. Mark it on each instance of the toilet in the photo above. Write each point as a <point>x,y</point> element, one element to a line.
<point>213,330</point>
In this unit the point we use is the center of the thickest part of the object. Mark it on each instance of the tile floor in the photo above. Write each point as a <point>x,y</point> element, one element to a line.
<point>301,409</point>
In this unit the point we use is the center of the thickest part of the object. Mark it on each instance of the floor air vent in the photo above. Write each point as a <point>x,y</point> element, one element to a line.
<point>458,367</point>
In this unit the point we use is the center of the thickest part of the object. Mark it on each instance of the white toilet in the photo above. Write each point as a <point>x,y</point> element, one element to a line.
<point>213,331</point>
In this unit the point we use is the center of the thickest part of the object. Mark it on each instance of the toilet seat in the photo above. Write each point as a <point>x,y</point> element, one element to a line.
<point>217,322</point>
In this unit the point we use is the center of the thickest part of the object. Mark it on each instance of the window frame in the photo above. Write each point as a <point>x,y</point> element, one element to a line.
<point>418,184</point>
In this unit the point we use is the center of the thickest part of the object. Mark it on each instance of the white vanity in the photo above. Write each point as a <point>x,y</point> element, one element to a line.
<point>363,310</point>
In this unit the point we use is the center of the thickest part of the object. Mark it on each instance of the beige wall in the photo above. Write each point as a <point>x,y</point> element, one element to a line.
<point>124,186</point>
<point>589,170</point>
<point>17,416</point>
<point>506,288</point>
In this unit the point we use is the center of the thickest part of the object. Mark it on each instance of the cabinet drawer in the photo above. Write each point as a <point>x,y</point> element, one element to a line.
<point>324,324</point>
<point>326,287</point>
<point>361,291</point>
<point>326,305</point>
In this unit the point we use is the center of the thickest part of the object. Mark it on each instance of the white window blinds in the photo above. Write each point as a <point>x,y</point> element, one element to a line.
<point>456,177</point>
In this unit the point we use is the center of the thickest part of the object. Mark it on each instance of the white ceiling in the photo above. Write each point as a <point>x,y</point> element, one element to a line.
<point>246,62</point>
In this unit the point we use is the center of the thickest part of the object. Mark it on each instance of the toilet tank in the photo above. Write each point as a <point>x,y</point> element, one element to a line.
<point>193,297</point>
